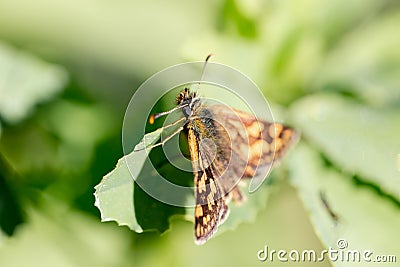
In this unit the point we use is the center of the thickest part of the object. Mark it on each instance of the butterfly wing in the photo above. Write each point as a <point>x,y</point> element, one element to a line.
<point>255,145</point>
<point>267,141</point>
<point>210,208</point>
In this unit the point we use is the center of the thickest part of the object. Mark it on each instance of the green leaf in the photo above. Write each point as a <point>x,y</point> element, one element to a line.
<point>366,220</point>
<point>56,235</point>
<point>360,140</point>
<point>154,214</point>
<point>79,124</point>
<point>114,194</point>
<point>233,19</point>
<point>63,135</point>
<point>10,207</point>
<point>26,81</point>
<point>366,62</point>
<point>291,55</point>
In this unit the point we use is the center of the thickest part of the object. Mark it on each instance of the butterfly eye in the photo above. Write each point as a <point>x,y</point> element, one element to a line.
<point>187,111</point>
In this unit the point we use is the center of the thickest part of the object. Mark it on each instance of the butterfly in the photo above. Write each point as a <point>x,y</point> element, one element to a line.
<point>225,145</point>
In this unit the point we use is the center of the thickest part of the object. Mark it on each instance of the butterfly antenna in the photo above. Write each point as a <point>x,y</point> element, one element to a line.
<point>203,71</point>
<point>158,115</point>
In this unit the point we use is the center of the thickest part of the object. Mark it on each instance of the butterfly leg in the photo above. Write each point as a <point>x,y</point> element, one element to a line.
<point>168,137</point>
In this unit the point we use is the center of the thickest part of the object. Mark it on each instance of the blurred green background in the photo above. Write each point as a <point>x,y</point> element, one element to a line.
<point>331,68</point>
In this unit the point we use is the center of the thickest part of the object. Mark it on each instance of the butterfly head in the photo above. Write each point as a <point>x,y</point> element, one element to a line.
<point>187,100</point>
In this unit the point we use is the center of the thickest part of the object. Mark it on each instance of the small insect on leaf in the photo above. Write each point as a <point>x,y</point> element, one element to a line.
<point>225,145</point>
<point>328,207</point>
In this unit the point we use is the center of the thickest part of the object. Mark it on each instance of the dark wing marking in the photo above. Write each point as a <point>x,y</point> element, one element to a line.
<point>210,208</point>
